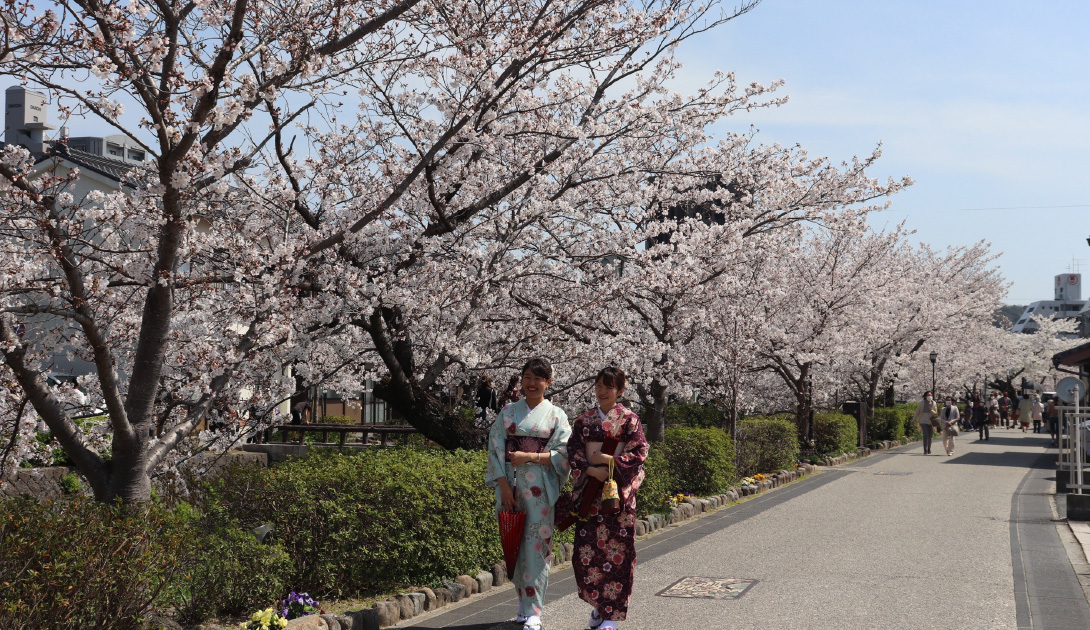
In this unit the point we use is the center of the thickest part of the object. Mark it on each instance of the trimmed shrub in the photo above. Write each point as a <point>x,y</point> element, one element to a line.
<point>888,424</point>
<point>701,461</point>
<point>341,420</point>
<point>835,433</point>
<point>658,484</point>
<point>766,444</point>
<point>230,573</point>
<point>694,415</point>
<point>379,520</point>
<point>907,411</point>
<point>81,564</point>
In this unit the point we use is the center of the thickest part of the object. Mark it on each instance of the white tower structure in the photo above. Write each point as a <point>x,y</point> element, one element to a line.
<point>25,119</point>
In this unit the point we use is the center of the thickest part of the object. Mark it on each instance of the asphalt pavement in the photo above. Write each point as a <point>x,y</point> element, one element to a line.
<point>896,540</point>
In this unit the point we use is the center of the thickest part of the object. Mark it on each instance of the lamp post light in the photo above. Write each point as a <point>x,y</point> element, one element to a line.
<point>934,356</point>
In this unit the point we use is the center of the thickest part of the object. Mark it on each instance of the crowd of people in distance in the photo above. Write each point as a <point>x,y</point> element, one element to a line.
<point>982,414</point>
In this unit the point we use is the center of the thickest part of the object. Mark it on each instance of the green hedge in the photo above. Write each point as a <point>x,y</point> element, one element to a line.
<point>888,424</point>
<point>81,564</point>
<point>341,420</point>
<point>378,521</point>
<point>835,433</point>
<point>694,415</point>
<point>701,461</point>
<point>766,444</point>
<point>658,483</point>
<point>231,573</point>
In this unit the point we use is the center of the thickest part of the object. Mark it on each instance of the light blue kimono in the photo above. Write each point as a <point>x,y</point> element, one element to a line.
<point>537,488</point>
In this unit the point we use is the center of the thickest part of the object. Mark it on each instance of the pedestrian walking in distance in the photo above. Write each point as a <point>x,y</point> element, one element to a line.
<point>1025,412</point>
<point>1005,410</point>
<point>950,416</point>
<point>980,418</point>
<point>1038,413</point>
<point>926,411</point>
<point>1052,416</point>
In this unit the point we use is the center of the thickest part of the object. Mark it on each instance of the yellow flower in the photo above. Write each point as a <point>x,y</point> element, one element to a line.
<point>283,623</point>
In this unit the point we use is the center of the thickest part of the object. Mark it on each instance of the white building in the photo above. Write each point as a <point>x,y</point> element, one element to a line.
<point>1067,303</point>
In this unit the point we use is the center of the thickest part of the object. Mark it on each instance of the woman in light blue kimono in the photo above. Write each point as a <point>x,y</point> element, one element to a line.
<point>528,465</point>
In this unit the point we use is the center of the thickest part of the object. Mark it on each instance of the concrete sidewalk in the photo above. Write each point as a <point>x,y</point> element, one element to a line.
<point>897,540</point>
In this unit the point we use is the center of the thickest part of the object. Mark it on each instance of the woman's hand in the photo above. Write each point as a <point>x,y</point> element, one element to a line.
<point>519,458</point>
<point>598,472</point>
<point>507,496</point>
<point>600,459</point>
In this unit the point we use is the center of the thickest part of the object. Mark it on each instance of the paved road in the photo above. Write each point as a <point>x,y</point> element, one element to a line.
<point>898,540</point>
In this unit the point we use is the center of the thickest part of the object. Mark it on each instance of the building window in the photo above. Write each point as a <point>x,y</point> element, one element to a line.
<point>115,150</point>
<point>136,155</point>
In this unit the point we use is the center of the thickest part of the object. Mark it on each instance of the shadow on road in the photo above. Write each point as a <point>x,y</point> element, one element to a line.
<point>999,439</point>
<point>1015,459</point>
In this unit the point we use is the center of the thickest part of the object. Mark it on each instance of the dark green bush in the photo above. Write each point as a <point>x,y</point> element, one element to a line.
<point>694,415</point>
<point>701,460</point>
<point>835,433</point>
<point>766,444</point>
<point>888,424</point>
<point>340,420</point>
<point>658,483</point>
<point>70,483</point>
<point>378,520</point>
<point>230,572</point>
<point>81,564</point>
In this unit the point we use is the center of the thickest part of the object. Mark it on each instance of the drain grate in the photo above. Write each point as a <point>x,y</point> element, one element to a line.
<point>708,588</point>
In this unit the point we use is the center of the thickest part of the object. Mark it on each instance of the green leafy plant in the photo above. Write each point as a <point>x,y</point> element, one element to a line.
<point>701,461</point>
<point>658,484</point>
<point>766,444</point>
<point>80,564</point>
<point>835,433</point>
<point>694,415</point>
<point>70,483</point>
<point>229,572</point>
<point>403,516</point>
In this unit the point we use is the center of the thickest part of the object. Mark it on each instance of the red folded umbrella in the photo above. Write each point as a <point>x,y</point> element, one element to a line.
<point>511,527</point>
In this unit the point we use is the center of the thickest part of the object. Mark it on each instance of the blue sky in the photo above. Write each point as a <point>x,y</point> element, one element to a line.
<point>984,104</point>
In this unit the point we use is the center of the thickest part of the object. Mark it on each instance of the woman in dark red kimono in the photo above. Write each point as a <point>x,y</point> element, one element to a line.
<point>605,544</point>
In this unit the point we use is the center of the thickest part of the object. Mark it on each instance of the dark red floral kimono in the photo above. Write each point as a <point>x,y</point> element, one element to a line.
<point>605,545</point>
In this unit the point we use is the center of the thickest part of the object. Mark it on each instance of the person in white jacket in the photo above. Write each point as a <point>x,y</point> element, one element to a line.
<point>924,412</point>
<point>949,420</point>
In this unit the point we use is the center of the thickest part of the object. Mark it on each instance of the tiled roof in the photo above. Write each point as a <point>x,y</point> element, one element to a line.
<point>114,169</point>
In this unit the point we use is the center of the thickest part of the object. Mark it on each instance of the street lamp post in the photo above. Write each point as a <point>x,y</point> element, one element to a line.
<point>934,356</point>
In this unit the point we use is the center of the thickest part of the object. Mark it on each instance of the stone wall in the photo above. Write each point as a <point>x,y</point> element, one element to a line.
<point>41,483</point>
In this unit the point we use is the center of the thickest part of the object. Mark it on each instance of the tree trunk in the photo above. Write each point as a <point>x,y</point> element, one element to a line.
<point>653,399</point>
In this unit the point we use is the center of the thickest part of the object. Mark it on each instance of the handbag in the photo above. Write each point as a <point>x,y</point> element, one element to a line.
<point>952,428</point>
<point>611,496</point>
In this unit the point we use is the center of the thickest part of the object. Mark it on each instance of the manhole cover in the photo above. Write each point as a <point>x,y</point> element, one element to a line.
<point>893,474</point>
<point>708,588</point>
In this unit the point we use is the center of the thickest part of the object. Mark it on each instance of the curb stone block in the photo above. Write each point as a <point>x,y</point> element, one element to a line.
<point>389,613</point>
<point>346,621</point>
<point>469,583</point>
<point>430,602</point>
<point>366,619</point>
<point>332,622</point>
<point>457,591</point>
<point>310,622</point>
<point>641,528</point>
<point>443,596</point>
<point>569,550</point>
<point>418,600</point>
<point>406,609</point>
<point>499,574</point>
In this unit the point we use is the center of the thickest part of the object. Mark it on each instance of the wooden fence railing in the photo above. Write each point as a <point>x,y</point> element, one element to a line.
<point>295,433</point>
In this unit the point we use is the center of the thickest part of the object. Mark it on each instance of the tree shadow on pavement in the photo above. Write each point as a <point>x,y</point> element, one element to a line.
<point>999,440</point>
<point>1014,459</point>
